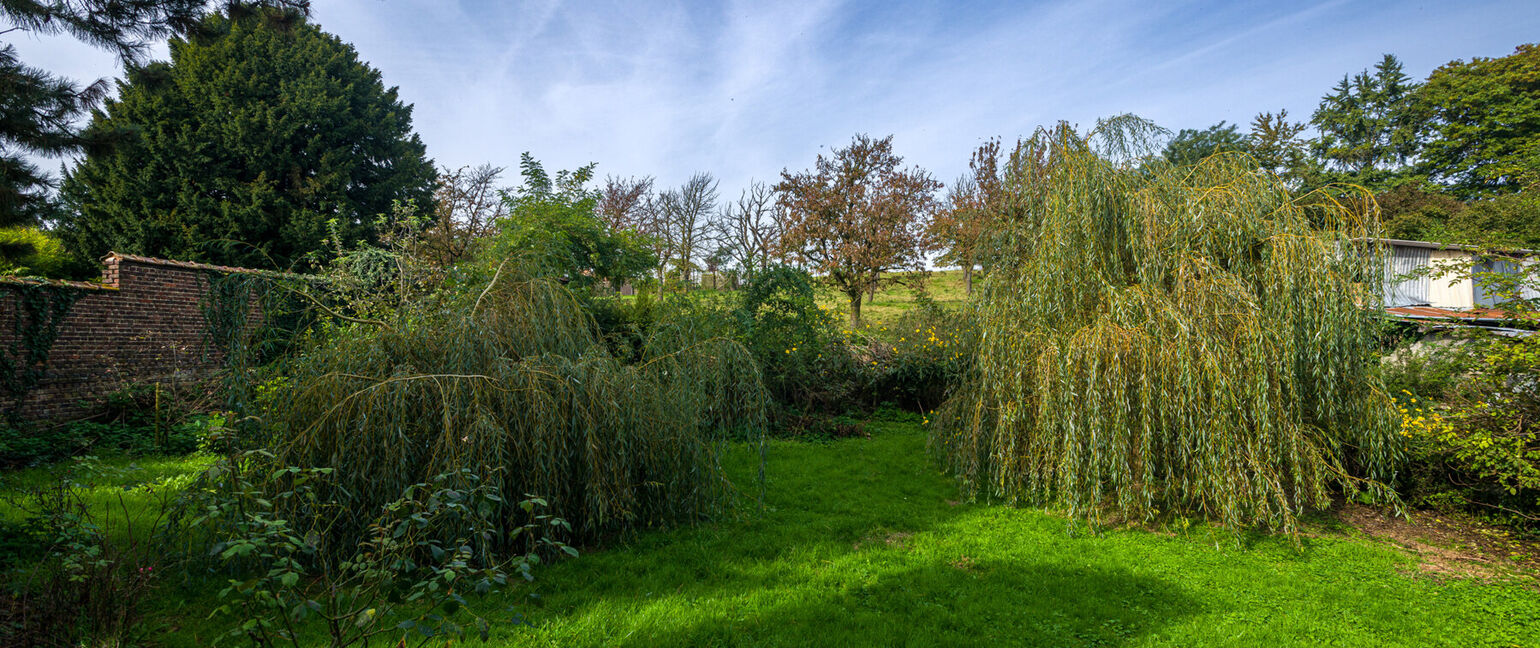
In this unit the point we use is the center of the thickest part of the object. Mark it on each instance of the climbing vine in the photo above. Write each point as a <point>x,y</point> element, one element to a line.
<point>250,320</point>
<point>40,310</point>
<point>226,308</point>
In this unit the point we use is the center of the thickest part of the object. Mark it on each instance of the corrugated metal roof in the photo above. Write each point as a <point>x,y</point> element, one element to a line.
<point>1486,319</point>
<point>1448,313</point>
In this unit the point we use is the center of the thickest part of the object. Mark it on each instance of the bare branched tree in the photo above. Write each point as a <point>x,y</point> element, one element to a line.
<point>686,213</point>
<point>468,203</point>
<point>747,231</point>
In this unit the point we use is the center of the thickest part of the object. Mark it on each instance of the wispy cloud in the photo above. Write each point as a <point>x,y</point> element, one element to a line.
<point>746,88</point>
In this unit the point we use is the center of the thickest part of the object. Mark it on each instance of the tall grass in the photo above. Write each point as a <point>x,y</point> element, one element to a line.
<point>514,383</point>
<point>1165,340</point>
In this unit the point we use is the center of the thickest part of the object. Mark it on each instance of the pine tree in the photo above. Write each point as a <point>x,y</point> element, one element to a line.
<point>1366,130</point>
<point>39,110</point>
<point>259,140</point>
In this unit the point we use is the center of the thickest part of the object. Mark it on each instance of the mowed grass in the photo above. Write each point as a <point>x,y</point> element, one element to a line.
<point>863,543</point>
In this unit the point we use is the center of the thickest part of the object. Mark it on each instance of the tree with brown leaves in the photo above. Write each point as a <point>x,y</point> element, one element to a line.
<point>624,203</point>
<point>858,218</point>
<point>961,227</point>
<point>468,203</point>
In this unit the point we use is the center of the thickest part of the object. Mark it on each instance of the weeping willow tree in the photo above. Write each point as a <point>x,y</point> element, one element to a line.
<point>514,384</point>
<point>1162,339</point>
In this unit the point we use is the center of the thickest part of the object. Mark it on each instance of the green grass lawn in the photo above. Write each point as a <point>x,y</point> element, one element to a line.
<point>864,544</point>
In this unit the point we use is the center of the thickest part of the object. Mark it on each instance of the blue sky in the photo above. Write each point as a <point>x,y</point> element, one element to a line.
<point>745,89</point>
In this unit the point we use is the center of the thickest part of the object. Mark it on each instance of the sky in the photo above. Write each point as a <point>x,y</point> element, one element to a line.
<point>746,89</point>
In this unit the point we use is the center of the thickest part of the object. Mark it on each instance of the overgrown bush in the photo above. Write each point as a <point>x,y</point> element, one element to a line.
<point>1160,340</point>
<point>1428,368</point>
<point>80,573</point>
<point>405,580</point>
<point>513,382</point>
<point>1477,447</point>
<point>806,363</point>
<point>924,359</point>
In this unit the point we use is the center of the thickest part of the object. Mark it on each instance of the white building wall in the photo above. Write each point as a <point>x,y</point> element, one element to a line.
<point>1452,290</point>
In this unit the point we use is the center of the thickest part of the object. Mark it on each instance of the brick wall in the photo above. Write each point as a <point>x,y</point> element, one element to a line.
<point>143,323</point>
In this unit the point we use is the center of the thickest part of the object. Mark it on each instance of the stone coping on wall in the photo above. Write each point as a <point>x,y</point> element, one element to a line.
<point>110,279</point>
<point>194,265</point>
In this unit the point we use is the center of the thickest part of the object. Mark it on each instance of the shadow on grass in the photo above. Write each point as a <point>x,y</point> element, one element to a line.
<point>946,604</point>
<point>854,551</point>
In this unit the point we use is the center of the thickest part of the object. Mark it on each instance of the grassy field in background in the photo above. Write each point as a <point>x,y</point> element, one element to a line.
<point>946,287</point>
<point>864,543</point>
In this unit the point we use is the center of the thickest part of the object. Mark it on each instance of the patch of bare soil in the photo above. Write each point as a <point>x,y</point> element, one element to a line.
<point>1450,544</point>
<point>893,539</point>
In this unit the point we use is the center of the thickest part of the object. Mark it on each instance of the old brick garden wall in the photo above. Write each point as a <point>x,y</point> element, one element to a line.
<point>143,323</point>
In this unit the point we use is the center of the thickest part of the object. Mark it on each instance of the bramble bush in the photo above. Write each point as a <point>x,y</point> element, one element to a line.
<point>805,363</point>
<point>406,578</point>
<point>928,354</point>
<point>77,573</point>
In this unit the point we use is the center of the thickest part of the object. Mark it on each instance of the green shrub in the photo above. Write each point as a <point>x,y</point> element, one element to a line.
<point>805,362</point>
<point>1478,448</point>
<point>513,382</point>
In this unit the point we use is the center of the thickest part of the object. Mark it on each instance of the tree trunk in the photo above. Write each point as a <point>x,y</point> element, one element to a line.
<point>855,309</point>
<point>968,277</point>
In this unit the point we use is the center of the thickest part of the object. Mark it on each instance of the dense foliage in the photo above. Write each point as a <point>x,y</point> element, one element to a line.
<point>512,382</point>
<point>1469,406</point>
<point>1171,340</point>
<point>1483,123</point>
<point>40,109</point>
<point>1191,145</point>
<point>261,137</point>
<point>553,222</point>
<point>39,254</point>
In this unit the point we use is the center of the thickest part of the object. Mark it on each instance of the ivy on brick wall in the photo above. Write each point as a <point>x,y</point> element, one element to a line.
<point>40,310</point>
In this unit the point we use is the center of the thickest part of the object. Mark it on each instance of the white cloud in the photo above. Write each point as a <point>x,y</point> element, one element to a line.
<point>748,88</point>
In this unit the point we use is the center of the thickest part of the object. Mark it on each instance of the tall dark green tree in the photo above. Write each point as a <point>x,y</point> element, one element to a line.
<point>1275,143</point>
<point>1367,131</point>
<point>1191,145</point>
<point>1483,123</point>
<point>261,137</point>
<point>39,111</point>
